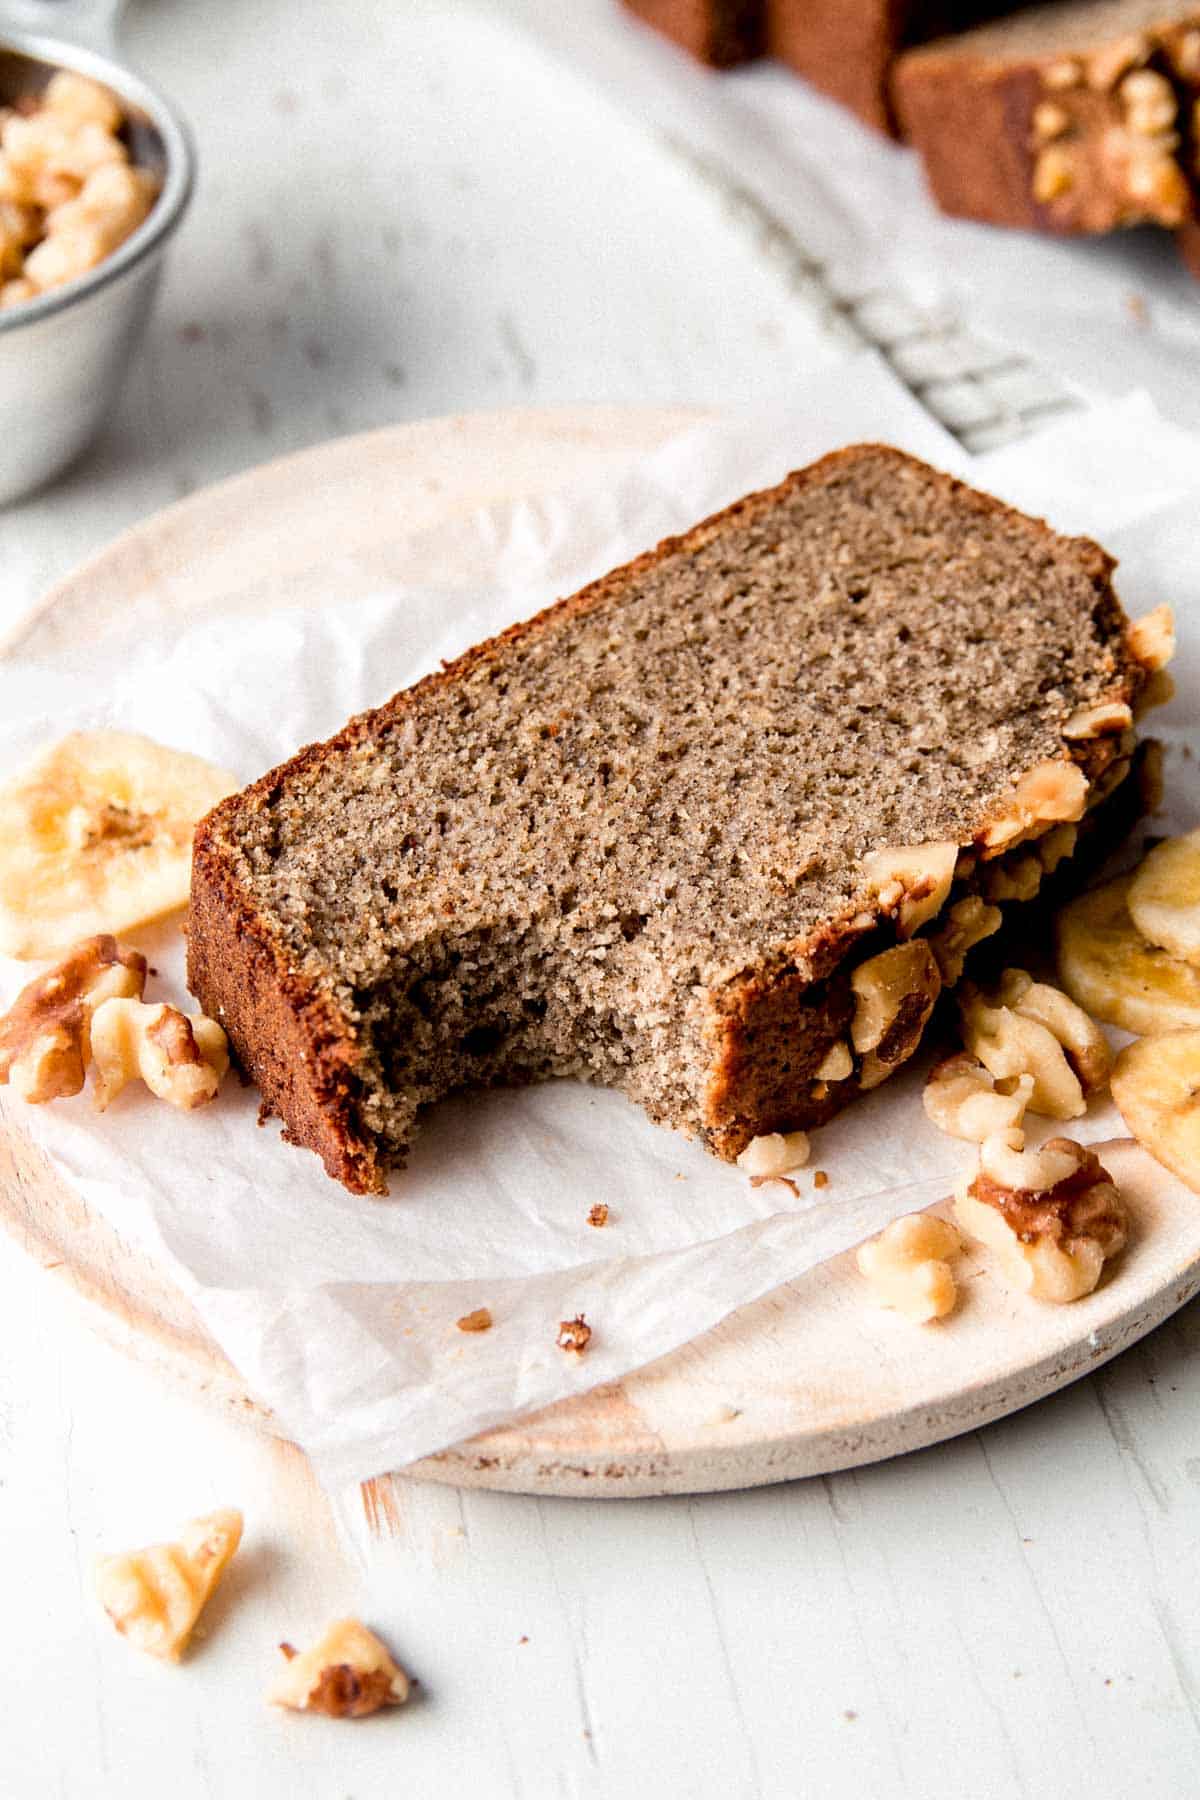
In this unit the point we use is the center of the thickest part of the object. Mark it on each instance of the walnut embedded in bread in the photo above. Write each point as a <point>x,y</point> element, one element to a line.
<point>1102,720</point>
<point>894,994</point>
<point>1051,793</point>
<point>836,1064</point>
<point>912,881</point>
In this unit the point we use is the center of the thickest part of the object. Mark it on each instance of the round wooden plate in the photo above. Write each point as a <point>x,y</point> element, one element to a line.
<point>810,1379</point>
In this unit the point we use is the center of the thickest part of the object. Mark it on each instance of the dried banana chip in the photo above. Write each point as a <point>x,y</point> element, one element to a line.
<point>1156,1085</point>
<point>1106,964</point>
<point>96,836</point>
<point>1164,897</point>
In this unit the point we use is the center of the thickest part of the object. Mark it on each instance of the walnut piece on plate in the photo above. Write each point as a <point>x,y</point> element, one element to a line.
<point>908,1265</point>
<point>965,1100</point>
<point>1026,1027</point>
<point>181,1057</point>
<point>1053,1215</point>
<point>46,1035</point>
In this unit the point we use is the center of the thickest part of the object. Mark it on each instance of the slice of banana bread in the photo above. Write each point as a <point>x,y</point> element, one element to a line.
<point>1072,117</point>
<point>714,831</point>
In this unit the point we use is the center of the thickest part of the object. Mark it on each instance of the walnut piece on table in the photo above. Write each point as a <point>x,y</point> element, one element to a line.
<point>155,1596</point>
<point>348,1674</point>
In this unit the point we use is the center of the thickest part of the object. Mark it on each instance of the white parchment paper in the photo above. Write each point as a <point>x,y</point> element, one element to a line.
<point>341,1311</point>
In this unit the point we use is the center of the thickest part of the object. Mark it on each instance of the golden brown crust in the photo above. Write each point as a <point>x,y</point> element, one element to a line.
<point>296,1045</point>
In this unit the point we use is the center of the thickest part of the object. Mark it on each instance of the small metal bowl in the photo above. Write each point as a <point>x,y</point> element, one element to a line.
<point>63,355</point>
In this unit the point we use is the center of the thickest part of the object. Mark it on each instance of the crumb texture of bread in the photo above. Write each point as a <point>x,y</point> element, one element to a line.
<point>624,842</point>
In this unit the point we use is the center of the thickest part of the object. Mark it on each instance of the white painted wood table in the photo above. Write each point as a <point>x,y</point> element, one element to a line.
<point>401,213</point>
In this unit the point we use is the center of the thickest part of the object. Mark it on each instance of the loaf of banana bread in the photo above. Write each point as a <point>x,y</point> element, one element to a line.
<point>714,831</point>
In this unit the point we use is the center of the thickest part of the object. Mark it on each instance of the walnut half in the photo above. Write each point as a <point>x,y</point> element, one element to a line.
<point>1053,1215</point>
<point>46,1036</point>
<point>180,1057</point>
<point>347,1675</point>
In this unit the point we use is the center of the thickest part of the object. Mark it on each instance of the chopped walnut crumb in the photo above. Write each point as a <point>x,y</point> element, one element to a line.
<point>757,1181</point>
<point>155,1596</point>
<point>598,1215</point>
<point>774,1153</point>
<point>574,1334</point>
<point>479,1320</point>
<point>349,1674</point>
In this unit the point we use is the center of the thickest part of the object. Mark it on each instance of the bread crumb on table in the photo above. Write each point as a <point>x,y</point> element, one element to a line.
<point>598,1215</point>
<point>820,1178</point>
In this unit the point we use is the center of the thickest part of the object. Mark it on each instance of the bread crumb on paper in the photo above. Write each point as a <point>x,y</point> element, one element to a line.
<point>479,1320</point>
<point>574,1334</point>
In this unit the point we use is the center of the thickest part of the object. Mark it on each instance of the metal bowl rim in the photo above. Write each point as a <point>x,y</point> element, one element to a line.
<point>167,210</point>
